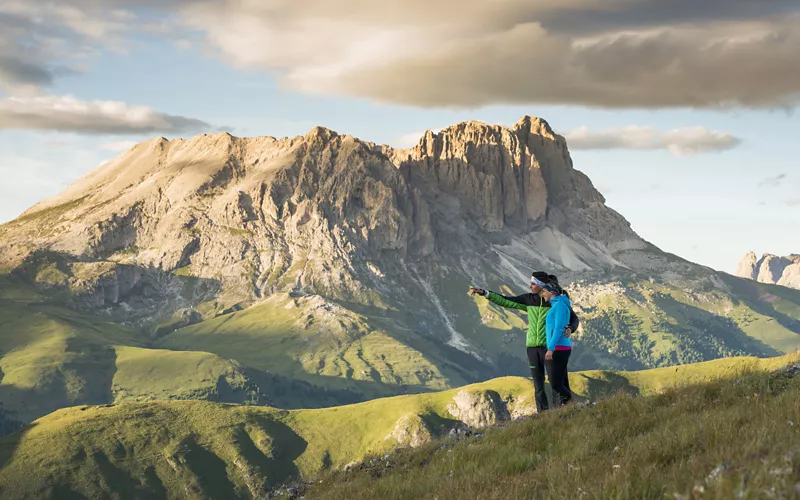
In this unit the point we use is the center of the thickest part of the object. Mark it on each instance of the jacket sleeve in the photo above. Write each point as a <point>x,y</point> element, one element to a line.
<point>517,302</point>
<point>558,316</point>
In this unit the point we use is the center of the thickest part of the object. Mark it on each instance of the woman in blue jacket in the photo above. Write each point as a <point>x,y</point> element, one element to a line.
<point>559,347</point>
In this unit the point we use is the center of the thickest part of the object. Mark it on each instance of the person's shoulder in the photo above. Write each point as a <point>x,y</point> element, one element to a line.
<point>530,299</point>
<point>537,300</point>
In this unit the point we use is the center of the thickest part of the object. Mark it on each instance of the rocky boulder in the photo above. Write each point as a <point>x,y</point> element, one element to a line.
<point>411,430</point>
<point>520,408</point>
<point>478,408</point>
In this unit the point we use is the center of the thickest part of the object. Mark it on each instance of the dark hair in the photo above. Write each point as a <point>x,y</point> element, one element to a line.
<point>554,279</point>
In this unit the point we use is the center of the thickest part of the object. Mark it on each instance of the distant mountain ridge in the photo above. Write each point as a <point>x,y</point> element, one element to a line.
<point>784,271</point>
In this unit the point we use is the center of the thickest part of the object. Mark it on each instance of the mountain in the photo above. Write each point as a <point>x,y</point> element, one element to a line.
<point>200,449</point>
<point>784,271</point>
<point>318,270</point>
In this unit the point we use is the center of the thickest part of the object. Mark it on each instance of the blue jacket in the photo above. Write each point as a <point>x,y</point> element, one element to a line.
<point>557,319</point>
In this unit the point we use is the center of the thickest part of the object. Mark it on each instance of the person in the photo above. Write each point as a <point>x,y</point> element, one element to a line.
<point>559,346</point>
<point>573,321</point>
<point>536,338</point>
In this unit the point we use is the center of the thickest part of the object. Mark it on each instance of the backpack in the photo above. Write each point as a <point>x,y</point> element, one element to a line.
<point>574,322</point>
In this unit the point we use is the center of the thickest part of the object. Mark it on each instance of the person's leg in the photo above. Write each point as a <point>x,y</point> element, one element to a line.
<point>557,372</point>
<point>536,362</point>
<point>566,376</point>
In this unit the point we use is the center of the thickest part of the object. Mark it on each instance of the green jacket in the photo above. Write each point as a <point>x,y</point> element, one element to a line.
<point>537,309</point>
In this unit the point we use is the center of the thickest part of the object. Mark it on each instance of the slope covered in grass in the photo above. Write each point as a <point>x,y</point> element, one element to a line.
<point>200,449</point>
<point>730,438</point>
<point>52,357</point>
<point>319,342</point>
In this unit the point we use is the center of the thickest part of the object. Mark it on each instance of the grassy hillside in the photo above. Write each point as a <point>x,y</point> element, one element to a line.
<point>308,352</point>
<point>198,449</point>
<point>642,324</point>
<point>52,357</point>
<point>720,439</point>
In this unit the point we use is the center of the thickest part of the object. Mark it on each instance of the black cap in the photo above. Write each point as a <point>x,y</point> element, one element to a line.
<point>541,276</point>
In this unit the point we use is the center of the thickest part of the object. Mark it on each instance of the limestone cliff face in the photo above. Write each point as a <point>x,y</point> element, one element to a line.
<point>324,212</point>
<point>784,271</point>
<point>748,266</point>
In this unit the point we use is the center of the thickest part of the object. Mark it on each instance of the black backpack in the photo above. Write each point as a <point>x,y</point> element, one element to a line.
<point>574,322</point>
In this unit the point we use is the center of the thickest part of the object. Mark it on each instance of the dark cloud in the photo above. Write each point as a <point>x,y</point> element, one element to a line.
<point>467,53</point>
<point>15,71</point>
<point>614,15</point>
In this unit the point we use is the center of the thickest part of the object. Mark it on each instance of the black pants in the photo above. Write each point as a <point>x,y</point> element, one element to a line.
<point>536,362</point>
<point>559,378</point>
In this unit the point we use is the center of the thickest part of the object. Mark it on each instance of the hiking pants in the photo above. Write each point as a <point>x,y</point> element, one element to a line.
<point>559,380</point>
<point>536,362</point>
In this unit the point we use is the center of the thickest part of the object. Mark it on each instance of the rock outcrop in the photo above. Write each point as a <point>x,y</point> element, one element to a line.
<point>478,408</point>
<point>748,266</point>
<point>412,431</point>
<point>772,269</point>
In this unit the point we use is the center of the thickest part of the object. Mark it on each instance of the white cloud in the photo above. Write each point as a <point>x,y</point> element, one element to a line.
<point>793,203</point>
<point>680,142</point>
<point>117,146</point>
<point>68,114</point>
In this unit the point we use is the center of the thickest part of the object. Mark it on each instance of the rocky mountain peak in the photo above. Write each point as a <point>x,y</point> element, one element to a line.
<point>325,211</point>
<point>773,269</point>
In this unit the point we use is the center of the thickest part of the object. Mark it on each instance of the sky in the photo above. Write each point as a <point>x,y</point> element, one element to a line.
<point>683,113</point>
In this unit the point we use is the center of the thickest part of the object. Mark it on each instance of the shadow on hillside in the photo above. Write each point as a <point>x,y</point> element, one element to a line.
<point>8,447</point>
<point>124,484</point>
<point>760,305</point>
<point>322,391</point>
<point>275,454</point>
<point>127,293</point>
<point>704,331</point>
<point>608,385</point>
<point>406,327</point>
<point>79,372</point>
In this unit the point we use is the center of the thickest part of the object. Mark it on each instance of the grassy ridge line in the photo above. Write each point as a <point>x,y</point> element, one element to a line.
<point>199,449</point>
<point>714,440</point>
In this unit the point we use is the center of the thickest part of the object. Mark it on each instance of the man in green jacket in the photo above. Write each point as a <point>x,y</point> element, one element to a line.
<point>536,340</point>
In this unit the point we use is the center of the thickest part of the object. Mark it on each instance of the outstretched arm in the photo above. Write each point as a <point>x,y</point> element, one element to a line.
<point>520,302</point>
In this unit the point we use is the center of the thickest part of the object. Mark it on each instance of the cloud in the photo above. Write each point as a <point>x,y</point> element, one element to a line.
<point>680,142</point>
<point>447,53</point>
<point>466,53</point>
<point>772,182</point>
<point>117,146</point>
<point>39,41</point>
<point>793,203</point>
<point>68,114</point>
